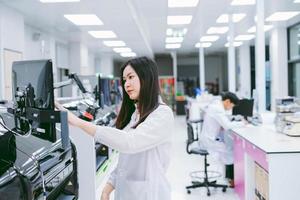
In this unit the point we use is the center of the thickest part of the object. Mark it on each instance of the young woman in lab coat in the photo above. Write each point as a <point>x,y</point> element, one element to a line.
<point>142,136</point>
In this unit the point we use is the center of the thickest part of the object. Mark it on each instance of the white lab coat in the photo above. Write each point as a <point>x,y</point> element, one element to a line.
<point>216,126</point>
<point>144,156</point>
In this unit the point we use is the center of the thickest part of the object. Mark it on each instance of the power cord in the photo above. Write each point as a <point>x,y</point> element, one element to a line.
<point>29,156</point>
<point>2,123</point>
<point>39,169</point>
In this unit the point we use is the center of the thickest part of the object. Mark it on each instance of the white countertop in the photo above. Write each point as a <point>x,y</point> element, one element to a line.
<point>267,139</point>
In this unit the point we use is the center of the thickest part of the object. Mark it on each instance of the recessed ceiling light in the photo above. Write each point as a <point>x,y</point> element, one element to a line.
<point>297,1</point>
<point>244,37</point>
<point>179,19</point>
<point>281,16</point>
<point>204,44</point>
<point>129,54</point>
<point>122,50</point>
<point>114,43</point>
<point>103,34</point>
<point>58,1</point>
<point>242,2</point>
<point>298,42</point>
<point>182,3</point>
<point>84,19</point>
<point>174,39</point>
<point>224,18</point>
<point>173,46</point>
<point>235,44</point>
<point>217,30</point>
<point>210,38</point>
<point>266,28</point>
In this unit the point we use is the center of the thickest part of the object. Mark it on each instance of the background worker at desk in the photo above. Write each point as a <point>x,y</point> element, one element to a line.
<point>216,123</point>
<point>142,136</point>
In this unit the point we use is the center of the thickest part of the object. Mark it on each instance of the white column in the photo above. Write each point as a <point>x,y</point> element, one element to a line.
<point>174,57</point>
<point>231,57</point>
<point>201,69</point>
<point>279,65</point>
<point>106,65</point>
<point>245,71</point>
<point>260,71</point>
<point>79,60</point>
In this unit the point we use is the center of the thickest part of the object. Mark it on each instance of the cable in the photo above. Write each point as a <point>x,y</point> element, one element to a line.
<point>16,133</point>
<point>39,169</point>
<point>32,158</point>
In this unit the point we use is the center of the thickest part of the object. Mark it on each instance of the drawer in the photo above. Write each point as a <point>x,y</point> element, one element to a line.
<point>257,154</point>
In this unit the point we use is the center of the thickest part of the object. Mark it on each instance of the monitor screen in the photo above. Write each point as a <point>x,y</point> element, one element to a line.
<point>244,108</point>
<point>39,74</point>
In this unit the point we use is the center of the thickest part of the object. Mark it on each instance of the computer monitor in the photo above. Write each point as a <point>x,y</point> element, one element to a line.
<point>38,74</point>
<point>244,108</point>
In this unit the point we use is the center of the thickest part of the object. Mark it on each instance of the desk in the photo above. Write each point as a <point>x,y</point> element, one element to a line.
<point>276,153</point>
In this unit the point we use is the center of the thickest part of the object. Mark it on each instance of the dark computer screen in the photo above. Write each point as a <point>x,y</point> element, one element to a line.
<point>39,74</point>
<point>244,108</point>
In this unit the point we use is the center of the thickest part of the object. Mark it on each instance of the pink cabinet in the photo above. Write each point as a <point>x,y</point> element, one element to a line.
<point>239,176</point>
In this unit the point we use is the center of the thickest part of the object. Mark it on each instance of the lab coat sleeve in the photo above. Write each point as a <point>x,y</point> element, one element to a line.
<point>112,178</point>
<point>156,129</point>
<point>224,121</point>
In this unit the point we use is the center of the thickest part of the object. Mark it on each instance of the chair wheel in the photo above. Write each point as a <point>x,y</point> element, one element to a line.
<point>188,191</point>
<point>224,189</point>
<point>208,193</point>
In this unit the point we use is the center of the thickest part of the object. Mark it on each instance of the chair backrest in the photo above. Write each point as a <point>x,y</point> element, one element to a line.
<point>190,137</point>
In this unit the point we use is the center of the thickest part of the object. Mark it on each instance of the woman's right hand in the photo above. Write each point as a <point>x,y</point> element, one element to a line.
<point>72,119</point>
<point>105,196</point>
<point>108,188</point>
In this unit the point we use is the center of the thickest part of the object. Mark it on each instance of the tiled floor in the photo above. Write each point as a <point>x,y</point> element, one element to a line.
<point>182,164</point>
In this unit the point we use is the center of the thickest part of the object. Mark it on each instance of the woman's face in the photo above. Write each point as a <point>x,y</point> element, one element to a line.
<point>132,83</point>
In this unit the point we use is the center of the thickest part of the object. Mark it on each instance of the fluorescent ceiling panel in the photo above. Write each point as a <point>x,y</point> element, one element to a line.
<point>129,54</point>
<point>114,43</point>
<point>266,28</point>
<point>297,1</point>
<point>224,18</point>
<point>171,32</point>
<point>174,39</point>
<point>235,44</point>
<point>210,38</point>
<point>103,34</point>
<point>173,46</point>
<point>217,30</point>
<point>281,16</point>
<point>242,2</point>
<point>244,37</point>
<point>179,19</point>
<point>182,3</point>
<point>204,44</point>
<point>84,19</point>
<point>122,50</point>
<point>58,1</point>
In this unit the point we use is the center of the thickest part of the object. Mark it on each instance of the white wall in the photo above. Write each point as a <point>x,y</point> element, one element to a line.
<point>11,37</point>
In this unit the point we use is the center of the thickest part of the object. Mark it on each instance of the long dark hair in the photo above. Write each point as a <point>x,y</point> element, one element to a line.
<point>146,70</point>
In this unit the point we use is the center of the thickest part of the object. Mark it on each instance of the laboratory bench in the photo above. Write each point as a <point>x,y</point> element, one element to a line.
<point>266,162</point>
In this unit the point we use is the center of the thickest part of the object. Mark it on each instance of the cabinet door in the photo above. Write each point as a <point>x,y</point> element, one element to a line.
<point>239,163</point>
<point>9,57</point>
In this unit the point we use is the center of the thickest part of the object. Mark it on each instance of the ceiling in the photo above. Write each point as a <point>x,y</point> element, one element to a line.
<point>142,24</point>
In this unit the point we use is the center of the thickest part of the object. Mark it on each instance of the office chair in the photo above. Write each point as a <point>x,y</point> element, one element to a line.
<point>202,152</point>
